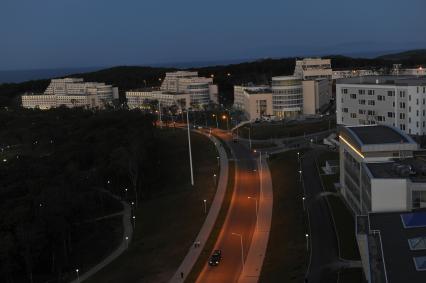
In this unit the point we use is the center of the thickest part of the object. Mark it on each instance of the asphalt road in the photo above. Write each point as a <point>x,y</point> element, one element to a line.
<point>322,235</point>
<point>241,218</point>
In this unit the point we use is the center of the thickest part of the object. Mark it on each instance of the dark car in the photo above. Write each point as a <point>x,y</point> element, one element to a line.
<point>215,258</point>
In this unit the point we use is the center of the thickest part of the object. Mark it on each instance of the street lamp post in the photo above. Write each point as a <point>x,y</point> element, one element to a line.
<point>257,215</point>
<point>224,117</point>
<point>125,191</point>
<point>205,206</point>
<point>127,242</point>
<point>260,172</point>
<point>159,114</point>
<point>217,123</point>
<point>249,136</point>
<point>134,222</point>
<point>78,276</point>
<point>303,201</point>
<point>190,150</point>
<point>242,247</point>
<point>214,179</point>
<point>218,160</point>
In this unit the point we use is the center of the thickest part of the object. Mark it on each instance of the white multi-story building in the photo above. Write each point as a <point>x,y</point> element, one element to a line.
<point>316,74</point>
<point>381,169</point>
<point>254,101</point>
<point>313,68</point>
<point>287,96</point>
<point>306,92</point>
<point>398,71</point>
<point>398,101</point>
<point>72,92</point>
<point>342,74</point>
<point>141,99</point>
<point>201,90</point>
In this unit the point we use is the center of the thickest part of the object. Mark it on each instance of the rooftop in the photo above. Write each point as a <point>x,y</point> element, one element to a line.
<point>385,80</point>
<point>413,168</point>
<point>379,134</point>
<point>403,248</point>
<point>258,91</point>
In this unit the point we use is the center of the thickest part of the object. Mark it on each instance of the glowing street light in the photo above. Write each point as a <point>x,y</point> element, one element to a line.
<point>217,123</point>
<point>127,242</point>
<point>78,276</point>
<point>134,222</point>
<point>205,206</point>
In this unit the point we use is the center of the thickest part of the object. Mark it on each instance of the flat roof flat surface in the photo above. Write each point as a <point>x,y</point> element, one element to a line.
<point>399,259</point>
<point>385,80</point>
<point>390,169</point>
<point>414,220</point>
<point>378,134</point>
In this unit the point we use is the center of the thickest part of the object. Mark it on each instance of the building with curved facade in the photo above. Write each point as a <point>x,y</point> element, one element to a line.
<point>287,96</point>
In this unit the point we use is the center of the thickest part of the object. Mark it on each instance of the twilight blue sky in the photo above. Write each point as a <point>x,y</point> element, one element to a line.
<point>81,33</point>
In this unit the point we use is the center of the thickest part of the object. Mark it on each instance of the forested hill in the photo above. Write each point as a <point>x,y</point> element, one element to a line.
<point>226,76</point>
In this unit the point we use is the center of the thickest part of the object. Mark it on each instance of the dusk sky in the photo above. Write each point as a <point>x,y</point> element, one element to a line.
<point>82,33</point>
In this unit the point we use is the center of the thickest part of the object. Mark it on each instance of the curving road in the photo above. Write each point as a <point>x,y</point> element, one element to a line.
<point>241,218</point>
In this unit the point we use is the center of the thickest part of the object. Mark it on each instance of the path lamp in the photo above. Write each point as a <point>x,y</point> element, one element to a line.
<point>300,175</point>
<point>218,160</point>
<point>78,276</point>
<point>214,179</point>
<point>257,215</point>
<point>134,222</point>
<point>303,202</point>
<point>242,247</point>
<point>205,206</point>
<point>127,242</point>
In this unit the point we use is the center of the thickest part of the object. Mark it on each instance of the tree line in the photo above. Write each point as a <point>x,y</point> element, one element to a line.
<point>53,165</point>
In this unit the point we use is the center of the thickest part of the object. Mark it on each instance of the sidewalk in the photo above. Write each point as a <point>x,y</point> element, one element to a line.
<point>194,252</point>
<point>128,231</point>
<point>259,242</point>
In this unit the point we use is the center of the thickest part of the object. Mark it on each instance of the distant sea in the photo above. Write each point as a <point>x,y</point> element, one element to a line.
<point>17,76</point>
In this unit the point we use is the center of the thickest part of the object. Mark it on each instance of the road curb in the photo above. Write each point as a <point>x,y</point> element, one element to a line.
<point>259,243</point>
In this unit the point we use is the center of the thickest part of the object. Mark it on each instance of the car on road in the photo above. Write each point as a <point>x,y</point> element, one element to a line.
<point>215,258</point>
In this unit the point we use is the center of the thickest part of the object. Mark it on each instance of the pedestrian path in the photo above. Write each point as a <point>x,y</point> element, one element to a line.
<point>127,237</point>
<point>259,243</point>
<point>202,237</point>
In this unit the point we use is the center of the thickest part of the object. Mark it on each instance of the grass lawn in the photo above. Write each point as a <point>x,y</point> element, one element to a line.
<point>286,257</point>
<point>344,220</point>
<point>167,224</point>
<point>284,130</point>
